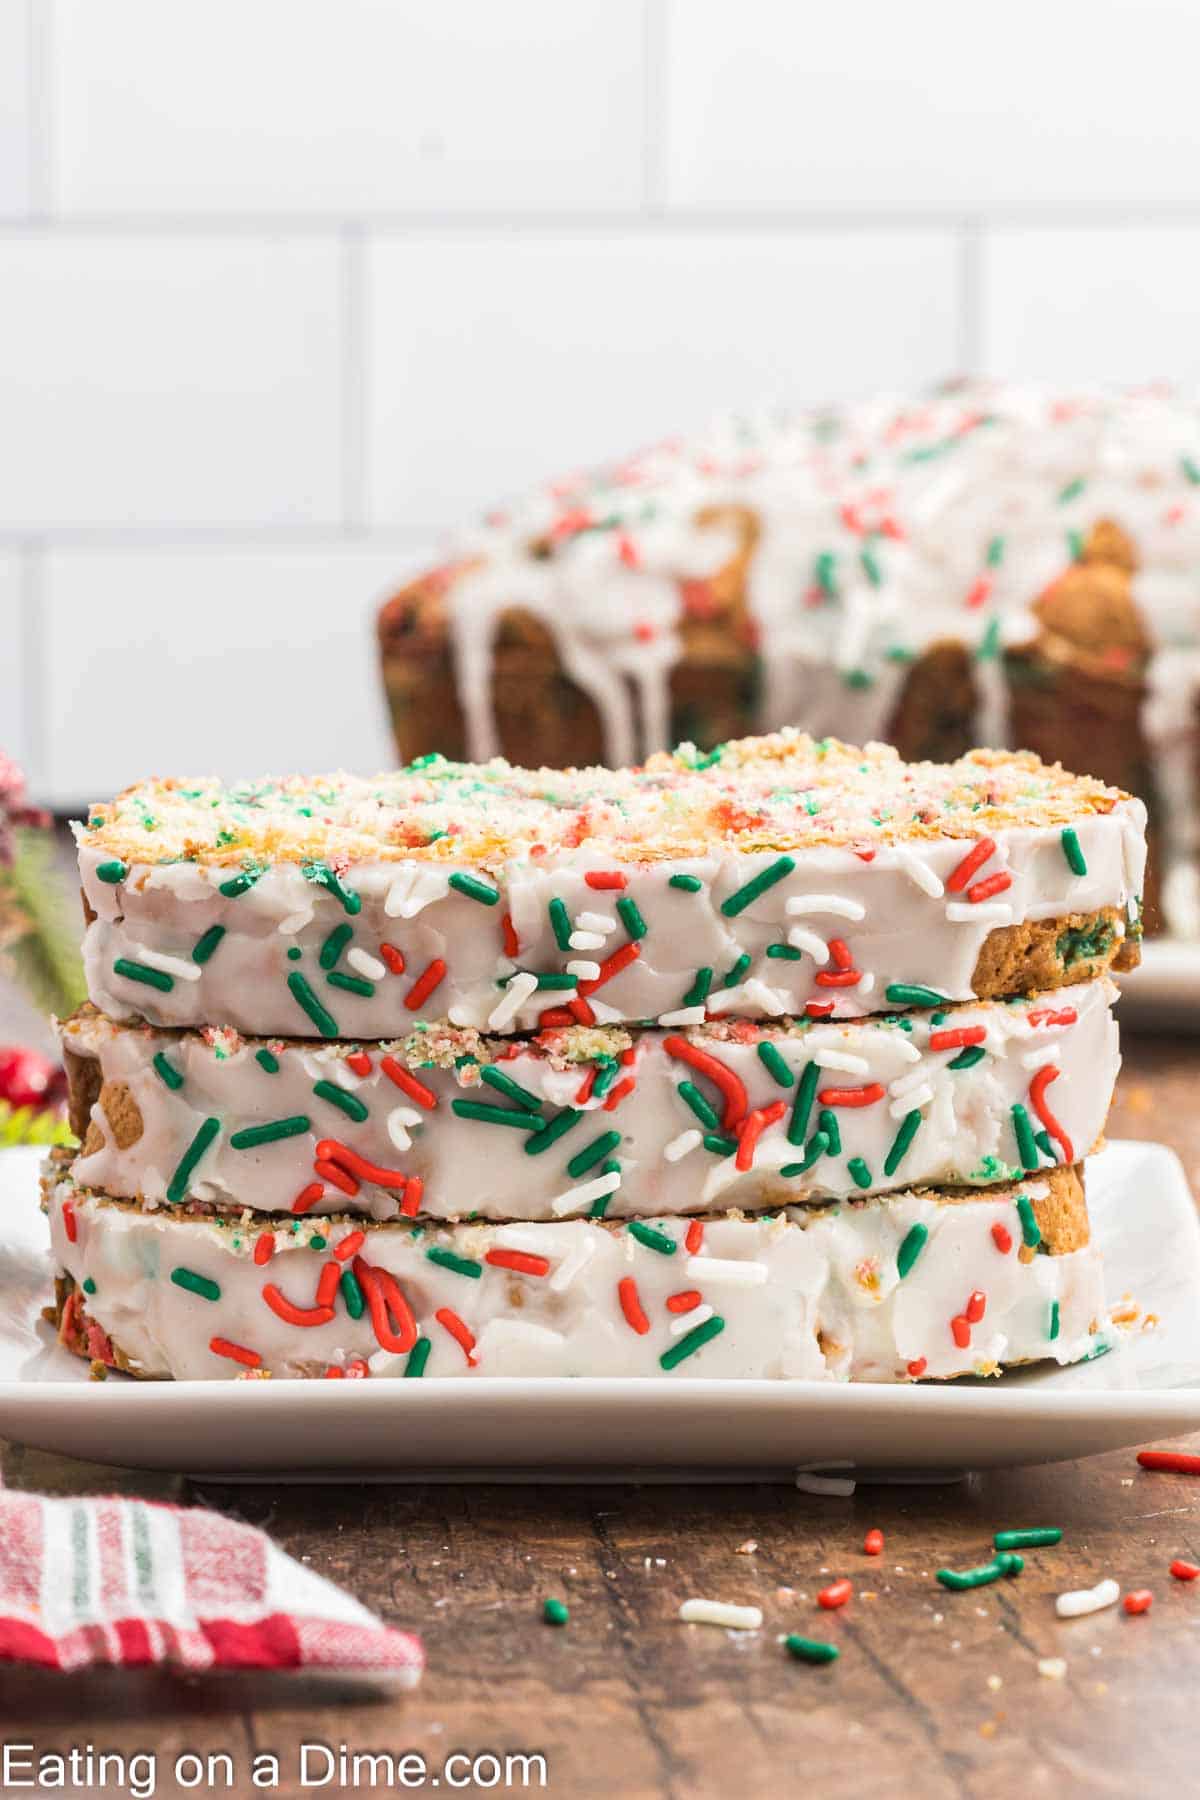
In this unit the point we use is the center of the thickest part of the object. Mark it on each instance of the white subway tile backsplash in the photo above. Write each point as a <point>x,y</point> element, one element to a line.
<point>14,109</point>
<point>220,661</point>
<point>1092,305</point>
<point>168,381</point>
<point>498,361</point>
<point>350,106</point>
<point>874,106</point>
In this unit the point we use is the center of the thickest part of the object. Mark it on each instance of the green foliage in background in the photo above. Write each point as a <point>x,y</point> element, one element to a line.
<point>40,938</point>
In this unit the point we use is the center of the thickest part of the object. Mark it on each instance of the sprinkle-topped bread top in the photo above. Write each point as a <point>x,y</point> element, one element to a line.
<point>784,792</point>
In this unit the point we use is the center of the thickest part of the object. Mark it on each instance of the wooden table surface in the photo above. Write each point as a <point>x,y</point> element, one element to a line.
<point>935,1693</point>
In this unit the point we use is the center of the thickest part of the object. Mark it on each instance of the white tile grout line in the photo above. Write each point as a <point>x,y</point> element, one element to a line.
<point>32,752</point>
<point>39,84</point>
<point>970,298</point>
<point>354,373</point>
<point>655,102</point>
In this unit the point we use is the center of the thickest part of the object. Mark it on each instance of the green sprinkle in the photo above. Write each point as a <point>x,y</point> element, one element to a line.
<point>870,565</point>
<point>784,952</point>
<point>1037,1537</point>
<point>350,984</point>
<point>136,971</point>
<point>295,953</point>
<point>697,994</point>
<point>691,1095</point>
<point>599,1205</point>
<point>270,1134</point>
<point>475,890</point>
<point>823,572</point>
<point>349,1103</point>
<point>1072,491</point>
<point>802,1106</point>
<point>915,1239</point>
<point>111,872</point>
<point>593,1153</point>
<point>691,1342</point>
<point>652,1238</point>
<point>860,1172</point>
<point>551,978</point>
<point>352,1294</point>
<point>495,1115</point>
<point>167,1073</point>
<point>1031,1231</point>
<point>818,1146</point>
<point>551,1132</point>
<point>775,1064</point>
<point>810,1650</point>
<point>827,1121</point>
<point>177,1187</point>
<point>1075,545</point>
<point>89,1286</point>
<point>317,1241</point>
<point>240,884</point>
<point>461,1265</point>
<point>995,553</point>
<point>1076,861</point>
<point>906,993</point>
<point>204,946</point>
<point>334,944</point>
<point>691,884</point>
<point>1052,1329</point>
<point>418,1356</point>
<point>988,648</point>
<point>738,969</point>
<point>909,1127</point>
<point>325,1023</point>
<point>560,923</point>
<point>325,877</point>
<point>504,1084</point>
<point>744,896</point>
<point>631,917</point>
<point>555,1612</point>
<point>960,1579</point>
<point>1027,1149</point>
<point>267,1061</point>
<point>966,1059</point>
<point>1191,470</point>
<point>720,1146</point>
<point>196,1284</point>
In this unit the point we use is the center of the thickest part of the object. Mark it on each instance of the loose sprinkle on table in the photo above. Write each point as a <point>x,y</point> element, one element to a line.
<point>721,1612</point>
<point>1081,1601</point>
<point>873,1542</point>
<point>555,1612</point>
<point>835,1595</point>
<point>1175,1462</point>
<point>1139,1601</point>
<point>1036,1537</point>
<point>810,1650</point>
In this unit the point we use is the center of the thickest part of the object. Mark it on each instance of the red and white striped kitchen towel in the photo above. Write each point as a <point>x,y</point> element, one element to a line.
<point>132,1583</point>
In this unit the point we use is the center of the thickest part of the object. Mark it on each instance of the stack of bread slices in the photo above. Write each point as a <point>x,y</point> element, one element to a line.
<point>779,1061</point>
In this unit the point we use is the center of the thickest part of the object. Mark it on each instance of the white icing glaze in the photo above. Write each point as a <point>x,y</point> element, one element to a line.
<point>966,1134</point>
<point>828,1304</point>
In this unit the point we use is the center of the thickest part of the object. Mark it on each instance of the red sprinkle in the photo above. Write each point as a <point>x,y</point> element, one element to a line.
<point>359,1063</point>
<point>580,1011</point>
<point>236,1352</point>
<point>291,1314</point>
<point>605,878</point>
<point>391,1316</point>
<point>1037,1095</point>
<point>330,1171</point>
<point>873,1542</point>
<point>975,1308</point>
<point>554,1017</point>
<point>840,952</point>
<point>975,858</point>
<point>69,1223</point>
<point>752,1129</point>
<point>459,1331</point>
<point>410,1205</point>
<point>1176,1462</point>
<point>685,1302</point>
<point>979,592</point>
<point>1044,1016</point>
<point>1002,1238</point>
<point>961,1330</point>
<point>407,1082</point>
<point>819,1009</point>
<point>842,978</point>
<point>631,1305</point>
<point>859,1096</point>
<point>330,1150</point>
<point>995,884</point>
<point>1139,1601</point>
<point>958,1039</point>
<point>308,1196</point>
<point>1184,1571</point>
<point>918,1366</point>
<point>584,1090</point>
<point>333,1373</point>
<point>612,965</point>
<point>615,1096</point>
<point>350,1245</point>
<point>424,985</point>
<point>732,1088</point>
<point>835,1595</point>
<point>695,1237</point>
<point>393,958</point>
<point>327,1285</point>
<point>519,1260</point>
<point>512,943</point>
<point>264,1247</point>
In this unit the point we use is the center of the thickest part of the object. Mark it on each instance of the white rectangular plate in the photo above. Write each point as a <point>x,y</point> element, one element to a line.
<point>1143,1216</point>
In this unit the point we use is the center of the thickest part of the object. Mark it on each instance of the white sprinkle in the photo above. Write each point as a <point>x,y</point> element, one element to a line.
<point>720,1612</point>
<point>919,873</point>
<point>899,1109</point>
<point>842,1059</point>
<point>586,971</point>
<point>606,1014</point>
<point>905,1084</point>
<point>572,1262</point>
<point>1038,1059</point>
<point>412,891</point>
<point>824,903</point>
<point>994,912</point>
<point>867,984</point>
<point>900,1041</point>
<point>759,994</point>
<point>683,1015</point>
<point>839,1486</point>
<point>586,940</point>
<point>170,965</point>
<point>718,1271</point>
<point>398,1122</point>
<point>1052,1667</point>
<point>289,926</point>
<point>1088,1600</point>
<point>397,894</point>
<point>365,964</point>
<point>688,1321</point>
<point>514,998</point>
<point>683,1145</point>
<point>590,921</point>
<point>582,1196</point>
<point>801,938</point>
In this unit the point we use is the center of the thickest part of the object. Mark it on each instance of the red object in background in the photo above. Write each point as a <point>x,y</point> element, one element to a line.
<point>27,1078</point>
